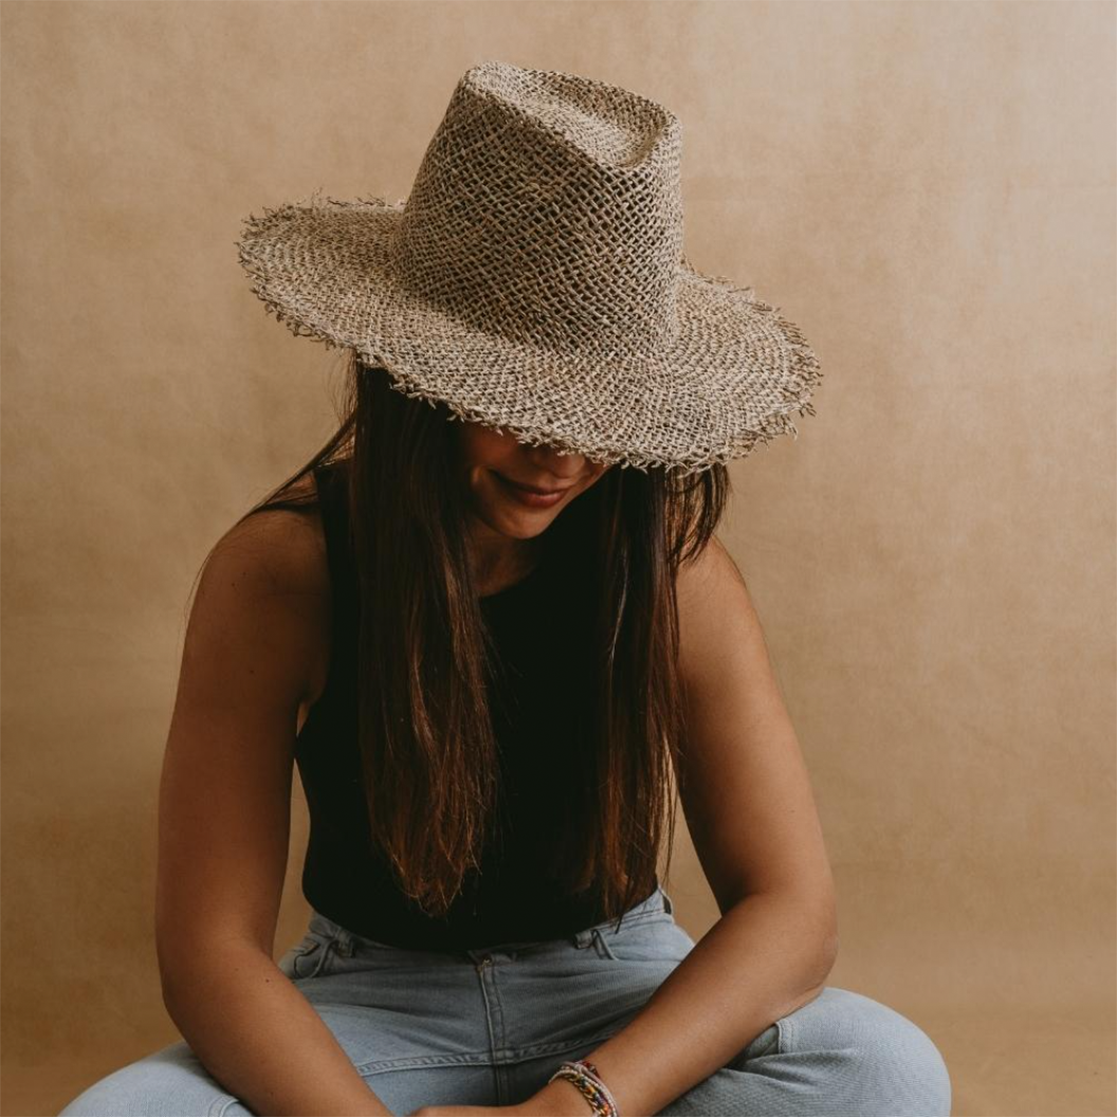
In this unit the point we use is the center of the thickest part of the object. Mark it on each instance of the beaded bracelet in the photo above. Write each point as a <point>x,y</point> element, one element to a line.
<point>584,1075</point>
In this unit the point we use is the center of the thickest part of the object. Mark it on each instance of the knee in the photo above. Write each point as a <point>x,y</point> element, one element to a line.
<point>169,1082</point>
<point>900,1071</point>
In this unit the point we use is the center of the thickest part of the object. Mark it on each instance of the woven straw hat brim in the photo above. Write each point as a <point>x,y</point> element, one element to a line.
<point>730,380</point>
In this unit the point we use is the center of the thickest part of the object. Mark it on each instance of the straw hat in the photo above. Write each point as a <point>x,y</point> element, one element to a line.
<point>534,281</point>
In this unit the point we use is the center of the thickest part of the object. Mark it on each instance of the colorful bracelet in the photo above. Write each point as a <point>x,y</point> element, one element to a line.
<point>584,1075</point>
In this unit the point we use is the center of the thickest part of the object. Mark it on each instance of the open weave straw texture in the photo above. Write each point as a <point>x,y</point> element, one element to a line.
<point>535,281</point>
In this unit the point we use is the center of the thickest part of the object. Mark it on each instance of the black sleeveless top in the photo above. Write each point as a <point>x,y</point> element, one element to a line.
<point>538,702</point>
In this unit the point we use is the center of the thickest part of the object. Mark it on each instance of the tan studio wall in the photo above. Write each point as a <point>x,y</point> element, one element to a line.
<point>926,189</point>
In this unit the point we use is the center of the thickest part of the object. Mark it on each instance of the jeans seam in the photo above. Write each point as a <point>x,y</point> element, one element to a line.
<point>373,1067</point>
<point>538,1050</point>
<point>784,1026</point>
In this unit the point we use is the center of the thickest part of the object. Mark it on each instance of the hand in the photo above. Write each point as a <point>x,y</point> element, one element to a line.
<point>464,1111</point>
<point>468,1111</point>
<point>554,1100</point>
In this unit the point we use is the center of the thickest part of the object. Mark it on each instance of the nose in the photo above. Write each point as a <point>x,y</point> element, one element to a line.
<point>556,461</point>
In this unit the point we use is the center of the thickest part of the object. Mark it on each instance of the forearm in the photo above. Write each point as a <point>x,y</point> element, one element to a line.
<point>262,1040</point>
<point>765,957</point>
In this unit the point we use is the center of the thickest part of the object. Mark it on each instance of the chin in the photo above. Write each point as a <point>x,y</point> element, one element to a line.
<point>512,525</point>
<point>526,527</point>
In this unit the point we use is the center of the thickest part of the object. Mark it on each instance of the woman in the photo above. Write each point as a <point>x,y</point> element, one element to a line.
<point>491,624</point>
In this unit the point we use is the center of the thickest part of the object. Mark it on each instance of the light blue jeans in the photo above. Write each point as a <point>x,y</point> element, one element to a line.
<point>489,1026</point>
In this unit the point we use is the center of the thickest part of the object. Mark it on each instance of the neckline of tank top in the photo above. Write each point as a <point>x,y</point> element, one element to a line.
<point>509,591</point>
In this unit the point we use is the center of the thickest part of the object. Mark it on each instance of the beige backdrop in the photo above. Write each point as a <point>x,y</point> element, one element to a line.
<point>927,189</point>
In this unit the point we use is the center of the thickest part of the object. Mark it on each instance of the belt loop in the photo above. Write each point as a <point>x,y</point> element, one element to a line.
<point>343,942</point>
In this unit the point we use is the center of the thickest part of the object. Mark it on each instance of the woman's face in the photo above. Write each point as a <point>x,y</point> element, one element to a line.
<point>493,462</point>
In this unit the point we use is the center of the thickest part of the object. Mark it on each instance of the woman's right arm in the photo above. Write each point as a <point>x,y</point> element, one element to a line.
<point>224,824</point>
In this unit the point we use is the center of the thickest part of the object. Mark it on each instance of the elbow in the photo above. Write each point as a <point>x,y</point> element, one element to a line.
<point>175,974</point>
<point>172,987</point>
<point>816,922</point>
<point>828,933</point>
<point>818,968</point>
<point>823,920</point>
<point>187,976</point>
<point>829,953</point>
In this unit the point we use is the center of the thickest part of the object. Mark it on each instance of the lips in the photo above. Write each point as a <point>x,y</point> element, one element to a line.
<point>529,496</point>
<point>533,488</point>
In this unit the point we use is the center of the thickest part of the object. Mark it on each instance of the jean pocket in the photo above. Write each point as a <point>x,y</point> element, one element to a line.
<point>657,939</point>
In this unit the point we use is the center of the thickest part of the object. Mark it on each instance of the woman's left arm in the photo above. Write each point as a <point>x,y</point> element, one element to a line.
<point>746,795</point>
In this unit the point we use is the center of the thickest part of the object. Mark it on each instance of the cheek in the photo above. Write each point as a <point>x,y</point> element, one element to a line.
<point>485,449</point>
<point>473,458</point>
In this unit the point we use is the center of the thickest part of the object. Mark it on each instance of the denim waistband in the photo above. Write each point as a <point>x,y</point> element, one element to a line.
<point>657,905</point>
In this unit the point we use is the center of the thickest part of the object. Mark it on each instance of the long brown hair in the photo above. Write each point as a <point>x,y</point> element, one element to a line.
<point>426,739</point>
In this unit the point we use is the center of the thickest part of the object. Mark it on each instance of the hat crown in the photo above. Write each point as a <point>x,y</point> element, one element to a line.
<point>548,210</point>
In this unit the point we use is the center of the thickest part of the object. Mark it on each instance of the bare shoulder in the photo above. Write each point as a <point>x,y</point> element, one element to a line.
<point>714,609</point>
<point>285,546</point>
<point>711,565</point>
<point>278,556</point>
